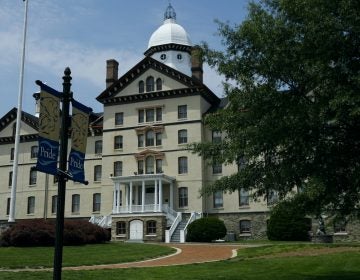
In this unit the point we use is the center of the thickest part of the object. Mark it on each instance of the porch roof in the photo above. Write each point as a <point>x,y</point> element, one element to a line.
<point>142,177</point>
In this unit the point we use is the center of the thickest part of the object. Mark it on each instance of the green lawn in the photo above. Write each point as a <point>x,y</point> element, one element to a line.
<point>331,266</point>
<point>13,257</point>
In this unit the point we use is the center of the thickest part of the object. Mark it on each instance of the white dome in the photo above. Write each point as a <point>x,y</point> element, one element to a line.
<point>169,33</point>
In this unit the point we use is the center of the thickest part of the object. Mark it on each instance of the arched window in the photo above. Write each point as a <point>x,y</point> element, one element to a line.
<point>151,227</point>
<point>182,136</point>
<point>149,162</point>
<point>149,84</point>
<point>141,86</point>
<point>158,84</point>
<point>183,197</point>
<point>150,138</point>
<point>96,202</point>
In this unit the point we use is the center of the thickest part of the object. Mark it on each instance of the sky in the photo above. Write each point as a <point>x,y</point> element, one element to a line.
<point>83,34</point>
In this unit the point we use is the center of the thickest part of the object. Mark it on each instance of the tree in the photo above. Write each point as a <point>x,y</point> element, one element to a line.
<point>293,80</point>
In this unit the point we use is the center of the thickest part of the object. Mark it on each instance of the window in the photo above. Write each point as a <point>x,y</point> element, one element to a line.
<point>150,115</point>
<point>217,168</point>
<point>163,56</point>
<point>118,142</point>
<point>141,140</point>
<point>140,167</point>
<point>118,165</point>
<point>98,147</point>
<point>97,173</point>
<point>10,178</point>
<point>54,204</point>
<point>141,116</point>
<point>32,179</point>
<point>119,118</point>
<point>75,203</point>
<point>34,152</point>
<point>150,138</point>
<point>158,84</point>
<point>159,166</point>
<point>120,228</point>
<point>216,137</point>
<point>151,227</point>
<point>141,86</point>
<point>158,137</point>
<point>183,197</point>
<point>272,197</point>
<point>149,84</point>
<point>245,226</point>
<point>339,226</point>
<point>149,165</point>
<point>8,206</point>
<point>182,165</point>
<point>243,197</point>
<point>218,199</point>
<point>182,112</point>
<point>179,56</point>
<point>12,153</point>
<point>96,202</point>
<point>159,114</point>
<point>55,179</point>
<point>31,205</point>
<point>182,136</point>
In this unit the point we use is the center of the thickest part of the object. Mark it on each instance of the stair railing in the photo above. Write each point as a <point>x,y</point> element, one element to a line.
<point>170,232</point>
<point>194,216</point>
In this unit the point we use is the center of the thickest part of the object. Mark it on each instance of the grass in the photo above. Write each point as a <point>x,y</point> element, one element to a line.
<point>14,257</point>
<point>334,266</point>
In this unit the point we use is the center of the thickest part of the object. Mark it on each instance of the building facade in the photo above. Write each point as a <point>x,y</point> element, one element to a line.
<point>144,182</point>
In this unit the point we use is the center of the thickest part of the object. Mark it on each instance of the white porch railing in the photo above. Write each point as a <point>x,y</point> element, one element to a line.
<point>194,216</point>
<point>103,221</point>
<point>169,232</point>
<point>171,214</point>
<point>137,209</point>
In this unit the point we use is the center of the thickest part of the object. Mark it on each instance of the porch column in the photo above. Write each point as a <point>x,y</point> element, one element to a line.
<point>171,201</point>
<point>130,196</point>
<point>118,198</point>
<point>114,198</point>
<point>155,195</point>
<point>143,196</point>
<point>127,197</point>
<point>160,195</point>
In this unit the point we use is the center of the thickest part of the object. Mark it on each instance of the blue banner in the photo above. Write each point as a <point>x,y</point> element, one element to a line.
<point>79,133</point>
<point>49,130</point>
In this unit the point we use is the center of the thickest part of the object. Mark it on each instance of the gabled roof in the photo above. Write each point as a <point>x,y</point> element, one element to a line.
<point>191,85</point>
<point>27,118</point>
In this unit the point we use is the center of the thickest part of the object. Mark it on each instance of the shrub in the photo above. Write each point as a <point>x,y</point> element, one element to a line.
<point>40,232</point>
<point>288,222</point>
<point>206,230</point>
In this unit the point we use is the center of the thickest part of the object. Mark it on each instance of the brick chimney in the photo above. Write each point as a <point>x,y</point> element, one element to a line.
<point>112,67</point>
<point>197,63</point>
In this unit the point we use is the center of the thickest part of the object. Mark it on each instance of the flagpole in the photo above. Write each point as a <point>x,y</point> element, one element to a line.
<point>18,123</point>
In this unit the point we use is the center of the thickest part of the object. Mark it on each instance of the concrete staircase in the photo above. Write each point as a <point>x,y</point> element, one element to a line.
<point>175,238</point>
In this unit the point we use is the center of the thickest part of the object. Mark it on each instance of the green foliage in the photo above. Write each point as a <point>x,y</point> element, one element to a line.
<point>288,223</point>
<point>206,230</point>
<point>293,112</point>
<point>39,232</point>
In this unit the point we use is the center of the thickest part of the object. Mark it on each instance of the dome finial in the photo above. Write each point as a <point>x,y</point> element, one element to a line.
<point>170,13</point>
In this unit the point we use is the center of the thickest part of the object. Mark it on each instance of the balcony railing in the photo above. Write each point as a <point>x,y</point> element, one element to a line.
<point>147,208</point>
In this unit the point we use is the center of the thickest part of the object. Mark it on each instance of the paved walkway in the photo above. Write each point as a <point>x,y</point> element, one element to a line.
<point>186,254</point>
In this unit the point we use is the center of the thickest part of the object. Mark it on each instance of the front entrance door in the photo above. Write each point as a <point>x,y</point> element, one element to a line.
<point>136,230</point>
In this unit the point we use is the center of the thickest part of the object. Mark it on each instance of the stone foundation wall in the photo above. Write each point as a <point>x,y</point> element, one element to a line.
<point>160,228</point>
<point>232,223</point>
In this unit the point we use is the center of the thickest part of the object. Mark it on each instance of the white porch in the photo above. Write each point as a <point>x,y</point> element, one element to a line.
<point>146,193</point>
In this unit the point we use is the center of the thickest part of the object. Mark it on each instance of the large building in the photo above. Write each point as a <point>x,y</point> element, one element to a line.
<point>144,183</point>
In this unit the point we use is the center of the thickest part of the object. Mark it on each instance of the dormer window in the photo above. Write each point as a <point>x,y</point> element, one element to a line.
<point>149,84</point>
<point>141,87</point>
